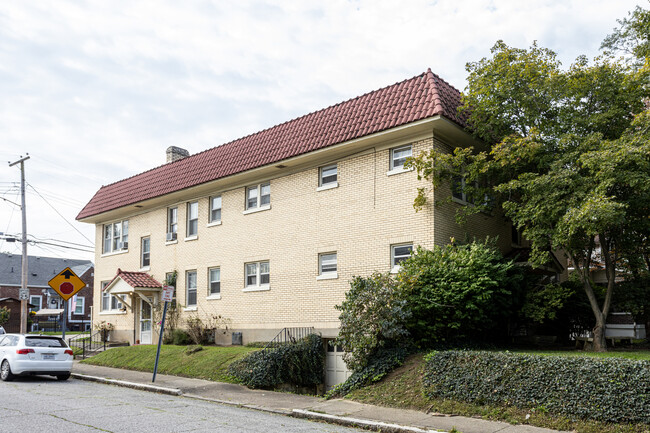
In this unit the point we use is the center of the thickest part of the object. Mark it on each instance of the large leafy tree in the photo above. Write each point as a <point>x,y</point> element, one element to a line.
<point>631,38</point>
<point>568,161</point>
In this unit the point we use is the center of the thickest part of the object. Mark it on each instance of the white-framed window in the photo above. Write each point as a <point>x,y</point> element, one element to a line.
<point>399,253</point>
<point>215,209</point>
<point>190,288</point>
<point>36,301</point>
<point>327,266</point>
<point>458,189</point>
<point>192,219</point>
<point>258,196</point>
<point>116,236</point>
<point>214,279</point>
<point>145,256</point>
<point>328,176</point>
<point>79,306</point>
<point>257,274</point>
<point>110,303</point>
<point>398,157</point>
<point>172,223</point>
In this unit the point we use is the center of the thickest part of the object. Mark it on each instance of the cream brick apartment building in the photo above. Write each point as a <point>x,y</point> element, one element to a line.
<point>268,230</point>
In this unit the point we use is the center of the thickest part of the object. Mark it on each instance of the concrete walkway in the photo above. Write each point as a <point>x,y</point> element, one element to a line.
<point>339,411</point>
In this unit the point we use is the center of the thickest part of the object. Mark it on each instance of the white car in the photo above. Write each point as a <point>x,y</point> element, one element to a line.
<point>34,354</point>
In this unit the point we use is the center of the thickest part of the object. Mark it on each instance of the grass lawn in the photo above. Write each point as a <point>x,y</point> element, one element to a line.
<point>210,363</point>
<point>403,389</point>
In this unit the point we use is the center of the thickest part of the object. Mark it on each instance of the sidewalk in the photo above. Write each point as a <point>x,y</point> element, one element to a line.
<point>339,411</point>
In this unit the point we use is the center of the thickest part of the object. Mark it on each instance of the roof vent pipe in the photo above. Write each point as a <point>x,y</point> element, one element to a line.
<point>175,153</point>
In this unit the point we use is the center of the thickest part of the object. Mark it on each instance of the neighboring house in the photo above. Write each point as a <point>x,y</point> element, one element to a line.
<point>269,229</point>
<point>41,296</point>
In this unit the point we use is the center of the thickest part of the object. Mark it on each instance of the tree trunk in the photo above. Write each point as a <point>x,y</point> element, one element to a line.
<point>600,343</point>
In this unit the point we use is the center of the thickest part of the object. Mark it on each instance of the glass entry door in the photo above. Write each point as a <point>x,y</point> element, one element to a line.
<point>145,322</point>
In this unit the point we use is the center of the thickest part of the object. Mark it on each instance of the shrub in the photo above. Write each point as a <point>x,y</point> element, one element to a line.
<point>372,316</point>
<point>301,364</point>
<point>602,389</point>
<point>180,338</point>
<point>5,313</point>
<point>457,291</point>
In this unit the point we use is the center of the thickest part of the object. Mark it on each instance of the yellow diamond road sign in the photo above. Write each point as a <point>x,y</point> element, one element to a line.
<point>66,284</point>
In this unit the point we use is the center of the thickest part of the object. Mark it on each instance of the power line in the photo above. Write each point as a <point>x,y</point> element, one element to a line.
<point>59,213</point>
<point>62,241</point>
<point>61,246</point>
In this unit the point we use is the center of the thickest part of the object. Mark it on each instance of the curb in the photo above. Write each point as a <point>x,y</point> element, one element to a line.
<point>360,423</point>
<point>139,386</point>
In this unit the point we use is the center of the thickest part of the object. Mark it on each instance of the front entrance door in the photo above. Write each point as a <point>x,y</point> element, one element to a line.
<point>145,322</point>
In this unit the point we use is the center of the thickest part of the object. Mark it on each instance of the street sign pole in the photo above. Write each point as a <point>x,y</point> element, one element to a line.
<point>160,339</point>
<point>65,317</point>
<point>167,296</point>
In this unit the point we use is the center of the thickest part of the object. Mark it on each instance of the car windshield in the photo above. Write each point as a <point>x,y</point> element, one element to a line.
<point>44,342</point>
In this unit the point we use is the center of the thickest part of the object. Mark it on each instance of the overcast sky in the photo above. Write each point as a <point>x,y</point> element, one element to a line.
<point>95,91</point>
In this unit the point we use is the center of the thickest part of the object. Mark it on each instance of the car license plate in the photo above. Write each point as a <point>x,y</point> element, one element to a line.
<point>48,356</point>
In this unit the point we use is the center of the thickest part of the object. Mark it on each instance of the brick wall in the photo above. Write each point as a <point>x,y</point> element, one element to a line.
<point>359,220</point>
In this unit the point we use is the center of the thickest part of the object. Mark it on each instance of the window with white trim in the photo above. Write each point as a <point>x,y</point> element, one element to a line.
<point>172,223</point>
<point>116,236</point>
<point>214,280</point>
<point>215,209</point>
<point>145,255</point>
<point>192,218</point>
<point>398,156</point>
<point>258,196</point>
<point>328,175</point>
<point>79,306</point>
<point>36,301</point>
<point>109,302</point>
<point>327,264</point>
<point>190,286</point>
<point>399,253</point>
<point>257,274</point>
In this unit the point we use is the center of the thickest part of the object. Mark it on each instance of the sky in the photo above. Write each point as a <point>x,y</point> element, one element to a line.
<point>95,91</point>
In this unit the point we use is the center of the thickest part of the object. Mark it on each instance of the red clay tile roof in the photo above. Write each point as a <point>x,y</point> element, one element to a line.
<point>136,279</point>
<point>420,97</point>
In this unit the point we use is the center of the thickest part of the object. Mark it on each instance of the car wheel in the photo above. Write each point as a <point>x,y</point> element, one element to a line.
<point>5,371</point>
<point>63,376</point>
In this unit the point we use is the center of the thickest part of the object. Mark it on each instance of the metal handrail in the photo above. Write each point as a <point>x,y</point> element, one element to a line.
<point>89,342</point>
<point>288,335</point>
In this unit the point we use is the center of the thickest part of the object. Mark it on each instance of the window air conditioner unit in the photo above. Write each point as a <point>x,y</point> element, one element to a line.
<point>125,245</point>
<point>171,237</point>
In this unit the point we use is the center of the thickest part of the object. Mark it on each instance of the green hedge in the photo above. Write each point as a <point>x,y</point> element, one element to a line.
<point>602,389</point>
<point>300,364</point>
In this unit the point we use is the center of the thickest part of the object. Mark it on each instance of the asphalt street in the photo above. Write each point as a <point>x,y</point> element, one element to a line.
<point>41,404</point>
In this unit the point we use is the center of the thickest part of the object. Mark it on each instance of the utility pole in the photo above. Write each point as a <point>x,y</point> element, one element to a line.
<point>23,294</point>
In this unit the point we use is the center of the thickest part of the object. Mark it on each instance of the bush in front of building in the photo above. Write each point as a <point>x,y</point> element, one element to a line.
<point>5,313</point>
<point>458,293</point>
<point>373,316</point>
<point>178,337</point>
<point>602,389</point>
<point>299,364</point>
